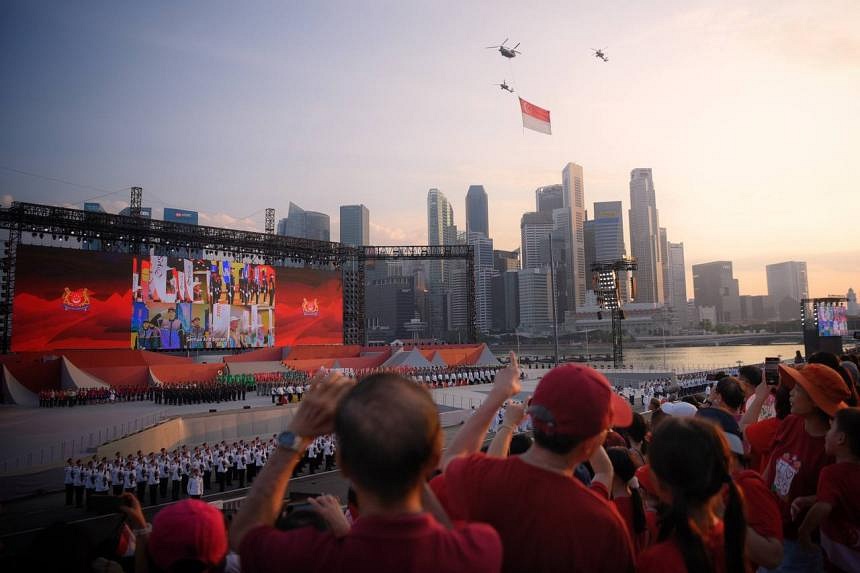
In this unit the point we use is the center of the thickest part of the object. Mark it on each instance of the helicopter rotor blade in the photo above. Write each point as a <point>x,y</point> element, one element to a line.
<point>517,46</point>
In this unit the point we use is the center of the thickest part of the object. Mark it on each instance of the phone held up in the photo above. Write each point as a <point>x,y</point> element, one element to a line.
<point>771,370</point>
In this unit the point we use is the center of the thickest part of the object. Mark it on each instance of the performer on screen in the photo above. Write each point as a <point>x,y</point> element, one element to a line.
<point>170,329</point>
<point>272,289</point>
<point>195,334</point>
<point>148,338</point>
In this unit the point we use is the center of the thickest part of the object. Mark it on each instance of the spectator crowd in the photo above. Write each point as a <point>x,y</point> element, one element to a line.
<point>756,475</point>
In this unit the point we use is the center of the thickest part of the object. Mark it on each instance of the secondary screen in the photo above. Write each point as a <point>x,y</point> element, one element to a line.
<point>77,299</point>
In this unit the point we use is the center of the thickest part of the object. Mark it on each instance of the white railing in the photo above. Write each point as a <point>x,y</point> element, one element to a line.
<point>79,445</point>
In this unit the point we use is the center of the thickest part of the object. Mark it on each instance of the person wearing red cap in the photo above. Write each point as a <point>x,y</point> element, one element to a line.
<point>797,454</point>
<point>190,535</point>
<point>547,519</point>
<point>390,440</point>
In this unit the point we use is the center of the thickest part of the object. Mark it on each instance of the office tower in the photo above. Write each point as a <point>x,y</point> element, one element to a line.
<point>483,252</point>
<point>574,200</point>
<point>354,225</point>
<point>506,260</point>
<point>787,285</point>
<point>305,224</point>
<point>714,286</point>
<point>677,298</point>
<point>549,198</point>
<point>664,255</point>
<point>645,237</point>
<point>535,229</point>
<point>440,231</point>
<point>506,301</point>
<point>477,220</point>
<point>590,250</point>
<point>852,308</point>
<point>535,294</point>
<point>608,228</point>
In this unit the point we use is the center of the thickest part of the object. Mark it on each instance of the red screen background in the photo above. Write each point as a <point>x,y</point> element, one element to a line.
<point>39,321</point>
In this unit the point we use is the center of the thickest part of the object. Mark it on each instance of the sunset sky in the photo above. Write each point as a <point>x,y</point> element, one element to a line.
<point>747,112</point>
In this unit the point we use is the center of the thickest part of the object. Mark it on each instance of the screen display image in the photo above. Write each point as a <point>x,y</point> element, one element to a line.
<point>68,299</point>
<point>832,320</point>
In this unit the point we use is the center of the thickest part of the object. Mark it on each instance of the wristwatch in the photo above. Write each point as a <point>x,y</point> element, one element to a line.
<point>290,441</point>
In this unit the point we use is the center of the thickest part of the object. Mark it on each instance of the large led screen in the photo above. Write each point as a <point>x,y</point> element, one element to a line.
<point>68,299</point>
<point>832,320</point>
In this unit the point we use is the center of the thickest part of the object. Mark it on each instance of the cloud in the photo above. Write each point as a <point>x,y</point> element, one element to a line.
<point>228,221</point>
<point>385,235</point>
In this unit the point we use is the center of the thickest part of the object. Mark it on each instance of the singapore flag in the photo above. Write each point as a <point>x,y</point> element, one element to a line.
<point>535,118</point>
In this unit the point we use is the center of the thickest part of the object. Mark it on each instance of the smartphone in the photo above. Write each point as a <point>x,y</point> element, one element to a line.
<point>105,504</point>
<point>771,370</point>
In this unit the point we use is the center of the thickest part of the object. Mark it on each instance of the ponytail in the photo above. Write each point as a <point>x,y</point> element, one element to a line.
<point>735,530</point>
<point>639,522</point>
<point>689,541</point>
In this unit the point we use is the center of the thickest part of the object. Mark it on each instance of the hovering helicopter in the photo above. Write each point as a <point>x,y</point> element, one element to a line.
<point>600,55</point>
<point>505,86</point>
<point>505,51</point>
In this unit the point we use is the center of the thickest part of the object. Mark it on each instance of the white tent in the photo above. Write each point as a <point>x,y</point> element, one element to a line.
<point>487,358</point>
<point>407,359</point>
<point>16,393</point>
<point>437,360</point>
<point>73,377</point>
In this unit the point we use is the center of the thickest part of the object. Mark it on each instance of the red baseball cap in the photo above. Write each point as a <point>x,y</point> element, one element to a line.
<point>189,530</point>
<point>646,479</point>
<point>576,400</point>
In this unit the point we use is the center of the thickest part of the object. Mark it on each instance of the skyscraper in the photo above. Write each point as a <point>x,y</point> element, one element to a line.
<point>354,225</point>
<point>535,229</point>
<point>608,228</point>
<point>574,200</point>
<point>677,285</point>
<point>535,293</point>
<point>477,220</point>
<point>664,256</point>
<point>787,285</point>
<point>440,231</point>
<point>549,198</point>
<point>714,286</point>
<point>645,237</point>
<point>305,224</point>
<point>483,251</point>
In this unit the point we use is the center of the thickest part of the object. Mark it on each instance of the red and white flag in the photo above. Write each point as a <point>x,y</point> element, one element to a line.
<point>535,117</point>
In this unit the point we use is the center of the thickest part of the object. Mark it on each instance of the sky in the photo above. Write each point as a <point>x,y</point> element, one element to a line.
<point>747,112</point>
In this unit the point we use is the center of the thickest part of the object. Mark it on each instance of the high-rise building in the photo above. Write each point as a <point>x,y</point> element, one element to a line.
<point>440,231</point>
<point>574,200</point>
<point>477,219</point>
<point>852,308</point>
<point>535,229</point>
<point>787,285</point>
<point>608,228</point>
<point>354,225</point>
<point>506,260</point>
<point>535,293</point>
<point>549,198</point>
<point>645,237</point>
<point>305,224</point>
<point>506,301</point>
<point>590,249</point>
<point>483,252</point>
<point>714,286</point>
<point>677,280</point>
<point>664,256</point>
<point>185,216</point>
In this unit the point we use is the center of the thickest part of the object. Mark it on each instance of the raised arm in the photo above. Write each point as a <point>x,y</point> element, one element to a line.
<point>762,391</point>
<point>468,439</point>
<point>313,417</point>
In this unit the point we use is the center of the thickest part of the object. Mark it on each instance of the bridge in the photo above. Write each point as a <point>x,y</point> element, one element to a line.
<point>724,339</point>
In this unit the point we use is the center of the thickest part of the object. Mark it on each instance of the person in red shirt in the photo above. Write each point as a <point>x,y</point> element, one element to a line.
<point>837,506</point>
<point>690,459</point>
<point>760,435</point>
<point>390,440</point>
<point>547,519</point>
<point>797,453</point>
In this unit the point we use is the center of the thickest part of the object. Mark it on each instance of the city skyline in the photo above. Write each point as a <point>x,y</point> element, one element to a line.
<point>228,112</point>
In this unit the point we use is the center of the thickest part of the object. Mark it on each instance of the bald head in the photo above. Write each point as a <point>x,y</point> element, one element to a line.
<point>389,435</point>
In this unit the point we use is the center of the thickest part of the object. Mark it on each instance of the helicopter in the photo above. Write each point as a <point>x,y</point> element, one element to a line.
<point>505,51</point>
<point>505,86</point>
<point>600,55</point>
